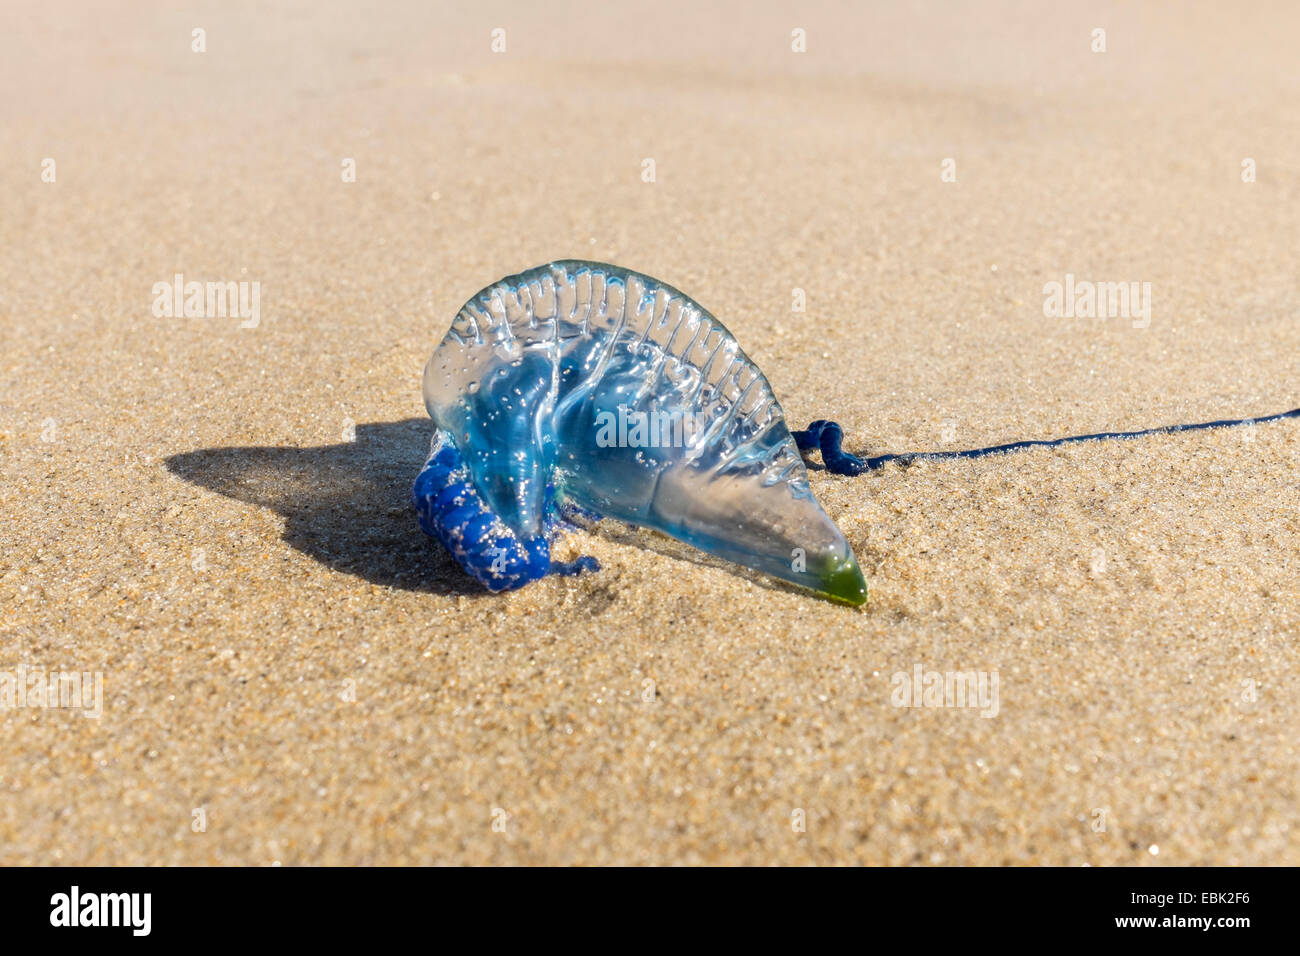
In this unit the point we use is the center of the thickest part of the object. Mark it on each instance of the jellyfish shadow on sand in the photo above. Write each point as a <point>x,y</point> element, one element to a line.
<point>347,506</point>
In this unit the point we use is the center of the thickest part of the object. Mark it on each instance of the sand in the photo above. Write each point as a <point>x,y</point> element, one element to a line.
<point>215,518</point>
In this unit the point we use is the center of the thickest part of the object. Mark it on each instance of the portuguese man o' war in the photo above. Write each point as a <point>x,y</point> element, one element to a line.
<point>585,387</point>
<point>581,387</point>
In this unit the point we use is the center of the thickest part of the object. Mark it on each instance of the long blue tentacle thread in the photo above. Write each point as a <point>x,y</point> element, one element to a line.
<point>826,437</point>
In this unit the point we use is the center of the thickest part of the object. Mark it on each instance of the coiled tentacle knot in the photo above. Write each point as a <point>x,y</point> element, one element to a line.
<point>826,436</point>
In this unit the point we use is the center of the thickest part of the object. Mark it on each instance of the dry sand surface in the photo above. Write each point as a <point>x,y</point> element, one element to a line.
<point>216,517</point>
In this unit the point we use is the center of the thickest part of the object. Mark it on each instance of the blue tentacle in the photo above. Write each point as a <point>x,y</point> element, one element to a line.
<point>451,510</point>
<point>826,436</point>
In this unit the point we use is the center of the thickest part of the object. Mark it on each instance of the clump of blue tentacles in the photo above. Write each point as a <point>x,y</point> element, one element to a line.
<point>451,510</point>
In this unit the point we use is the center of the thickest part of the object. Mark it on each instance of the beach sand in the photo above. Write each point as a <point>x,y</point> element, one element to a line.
<point>216,517</point>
